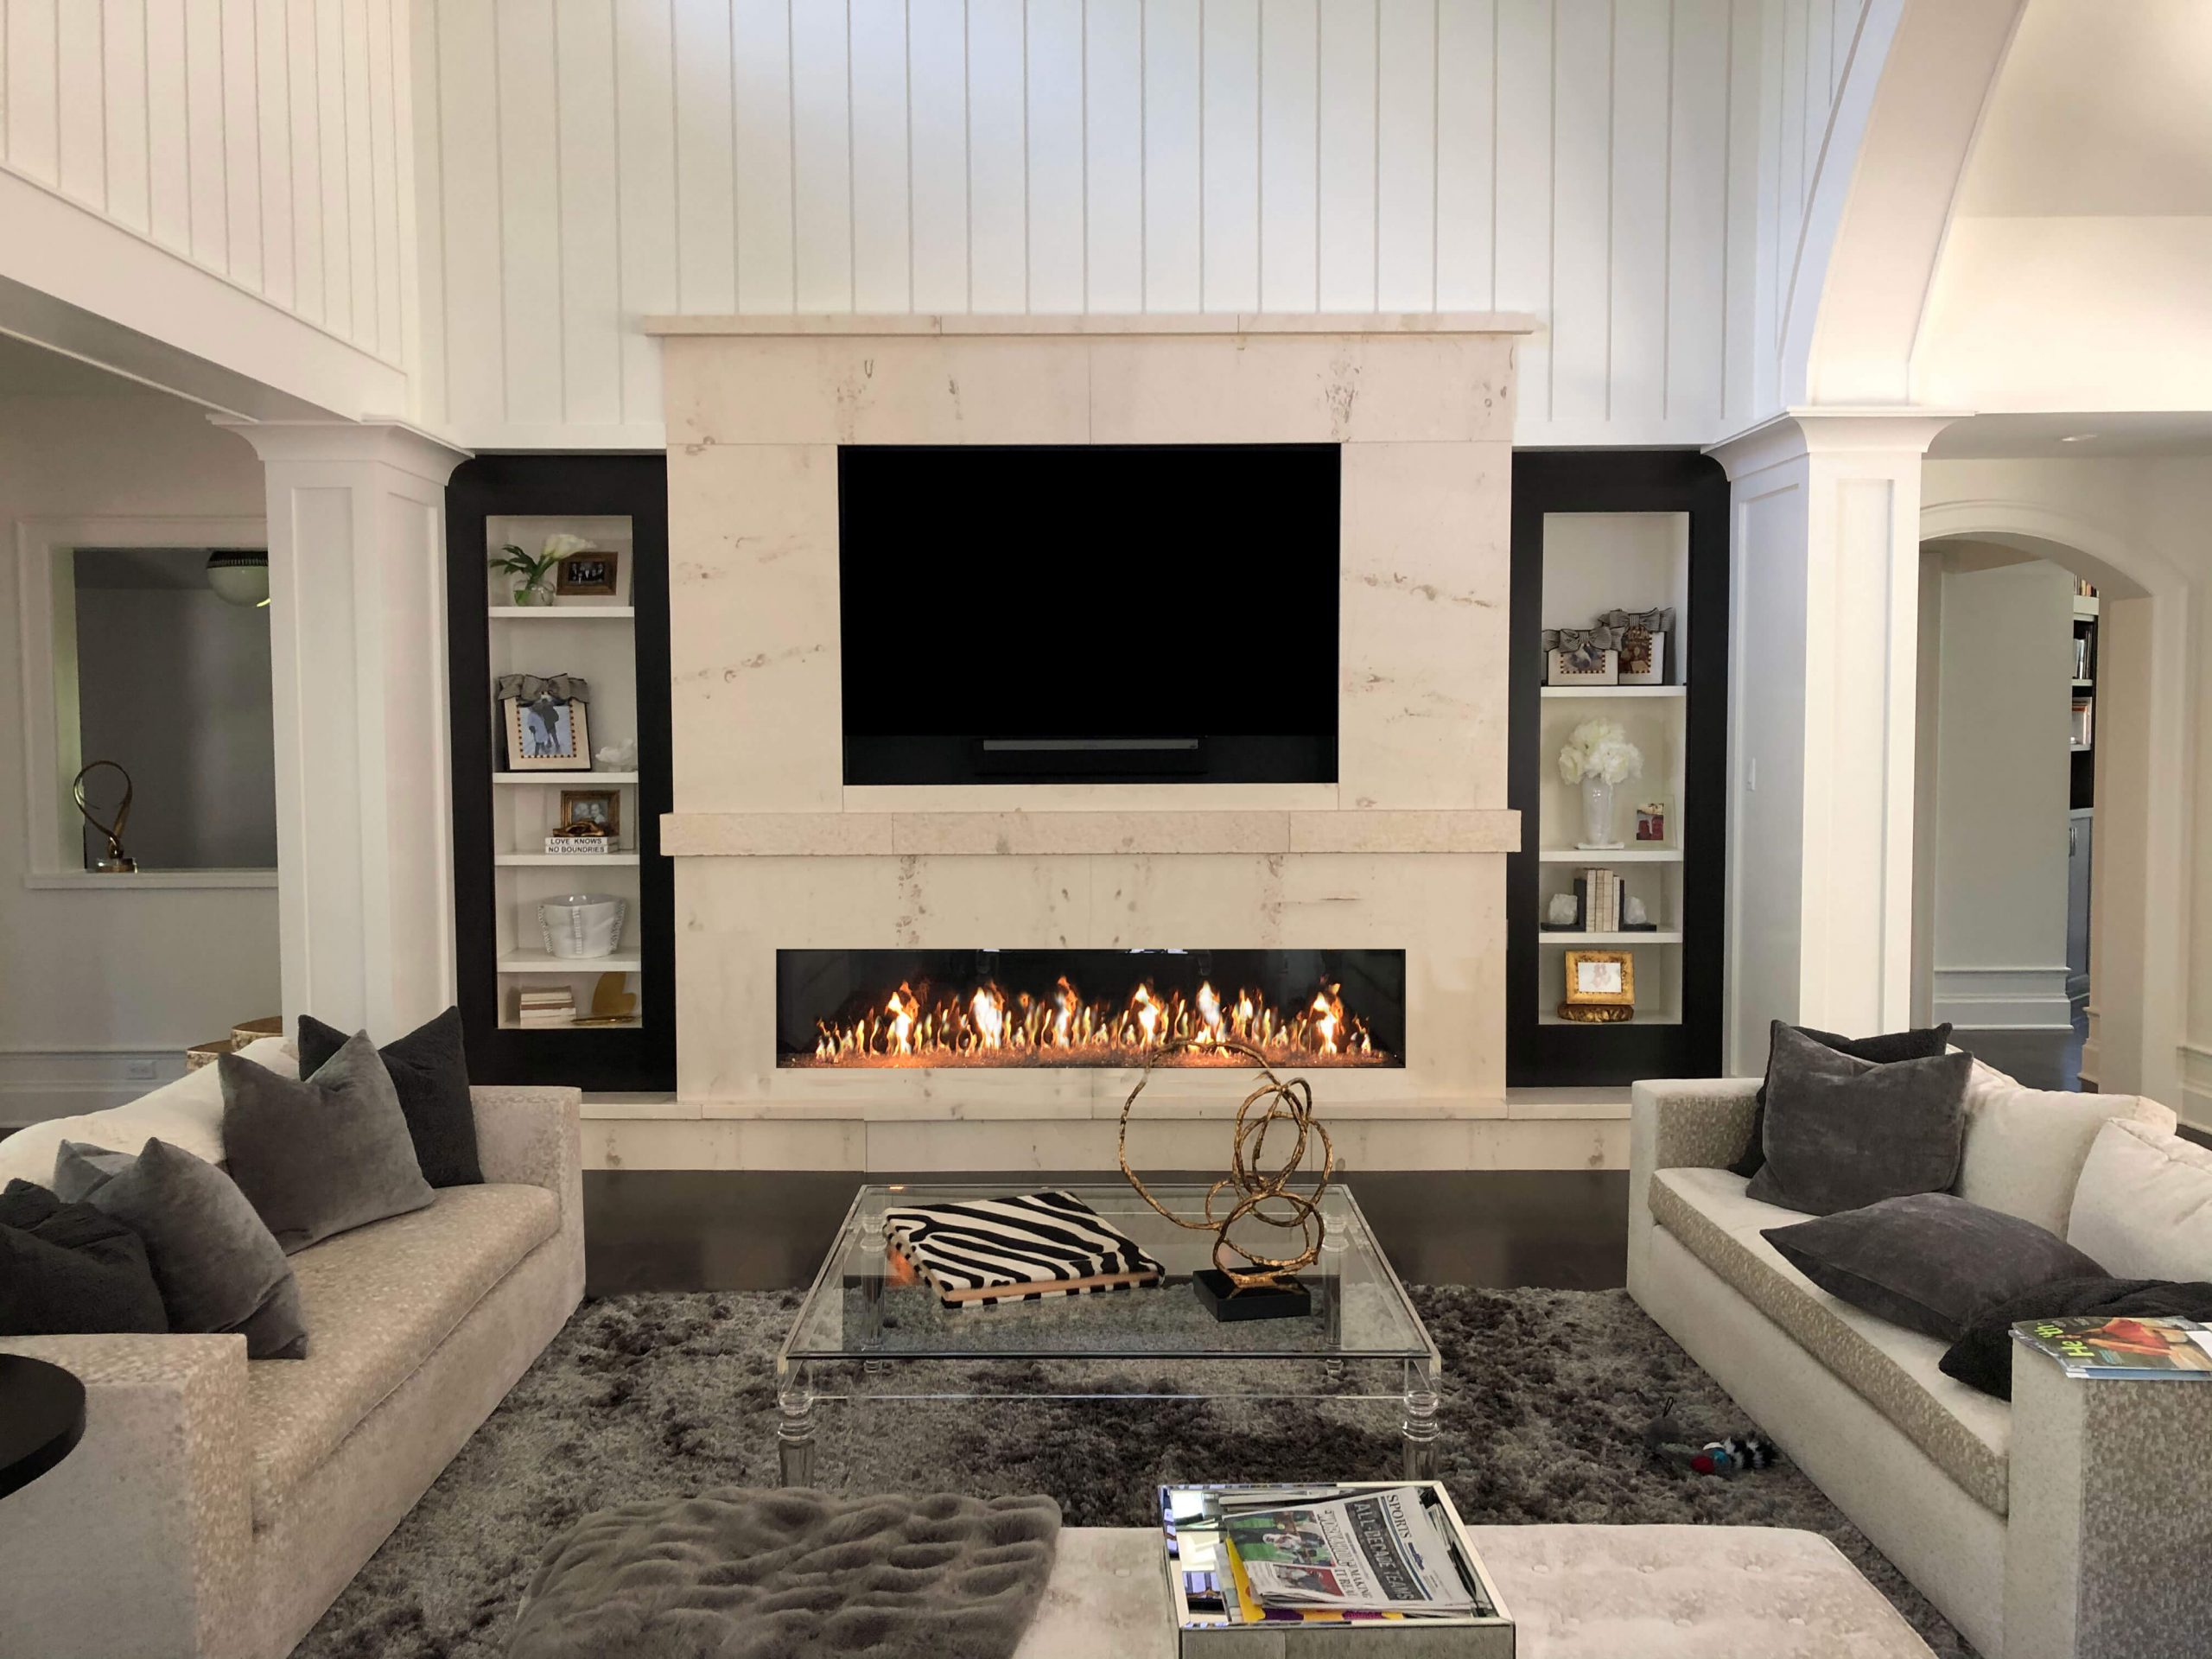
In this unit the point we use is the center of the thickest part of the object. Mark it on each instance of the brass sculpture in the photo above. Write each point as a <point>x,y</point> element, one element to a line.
<point>1256,1187</point>
<point>116,862</point>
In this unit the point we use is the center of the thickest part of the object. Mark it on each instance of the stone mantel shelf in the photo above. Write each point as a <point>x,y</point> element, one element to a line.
<point>865,835</point>
<point>942,325</point>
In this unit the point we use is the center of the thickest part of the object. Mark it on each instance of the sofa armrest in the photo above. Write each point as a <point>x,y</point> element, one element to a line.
<point>534,1137</point>
<point>139,1544</point>
<point>1700,1123</point>
<point>2110,1521</point>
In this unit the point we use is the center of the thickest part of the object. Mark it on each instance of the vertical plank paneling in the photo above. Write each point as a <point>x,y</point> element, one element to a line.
<point>1290,74</point>
<point>1524,187</point>
<point>761,75</point>
<point>1173,205</point>
<point>938,179</point>
<point>1347,139</point>
<point>303,97</point>
<point>529,212</point>
<point>1637,322</point>
<point>1820,56</point>
<point>706,177</point>
<point>425,211</point>
<point>1582,210</point>
<point>1054,90</point>
<point>1744,271</point>
<point>33,122</point>
<point>1697,205</point>
<point>82,127</point>
<point>1405,164</point>
<point>385,230</point>
<point>1466,114</point>
<point>335,177</point>
<point>588,234</point>
<point>1228,115</point>
<point>643,47</point>
<point>241,159</point>
<point>998,158</point>
<point>123,58</point>
<point>881,184</point>
<point>360,167</point>
<point>468,117</point>
<point>822,160</point>
<point>168,140</point>
<point>272,77</point>
<point>1114,156</point>
<point>203,93</point>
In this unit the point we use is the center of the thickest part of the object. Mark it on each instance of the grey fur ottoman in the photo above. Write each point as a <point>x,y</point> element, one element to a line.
<point>792,1575</point>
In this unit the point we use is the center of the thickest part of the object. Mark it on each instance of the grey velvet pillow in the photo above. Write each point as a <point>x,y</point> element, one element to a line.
<point>1930,1262</point>
<point>215,1264</point>
<point>1842,1132</point>
<point>323,1155</point>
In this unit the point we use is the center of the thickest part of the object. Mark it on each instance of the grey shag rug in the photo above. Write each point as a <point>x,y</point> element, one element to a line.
<point>1546,1395</point>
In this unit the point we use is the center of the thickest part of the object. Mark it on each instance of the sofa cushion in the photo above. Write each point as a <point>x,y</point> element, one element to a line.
<point>1842,1132</point>
<point>2144,1207</point>
<point>430,1072</point>
<point>380,1300</point>
<point>1982,1357</point>
<point>1897,1372</point>
<point>1882,1049</point>
<point>2024,1147</point>
<point>67,1269</point>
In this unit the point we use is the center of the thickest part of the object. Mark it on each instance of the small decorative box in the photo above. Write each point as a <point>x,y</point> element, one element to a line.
<point>1581,657</point>
<point>1642,637</point>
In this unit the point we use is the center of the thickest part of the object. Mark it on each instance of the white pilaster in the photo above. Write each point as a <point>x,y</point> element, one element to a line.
<point>357,562</point>
<point>1825,554</point>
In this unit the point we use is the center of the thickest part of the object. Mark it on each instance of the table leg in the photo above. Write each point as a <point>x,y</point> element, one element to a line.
<point>1420,1425</point>
<point>795,1430</point>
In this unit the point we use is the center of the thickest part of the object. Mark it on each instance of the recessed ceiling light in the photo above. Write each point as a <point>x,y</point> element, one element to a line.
<point>2078,437</point>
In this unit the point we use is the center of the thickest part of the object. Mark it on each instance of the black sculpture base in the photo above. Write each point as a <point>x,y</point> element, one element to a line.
<point>1288,1301</point>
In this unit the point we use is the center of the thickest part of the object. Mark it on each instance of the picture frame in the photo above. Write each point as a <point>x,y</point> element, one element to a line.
<point>1581,656</point>
<point>602,807</point>
<point>592,571</point>
<point>532,746</point>
<point>1605,978</point>
<point>1651,820</point>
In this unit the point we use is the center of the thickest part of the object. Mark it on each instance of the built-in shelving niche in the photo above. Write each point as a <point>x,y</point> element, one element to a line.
<point>1593,531</point>
<point>618,642</point>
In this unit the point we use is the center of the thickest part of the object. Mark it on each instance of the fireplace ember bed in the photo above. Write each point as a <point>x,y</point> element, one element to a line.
<point>893,1009</point>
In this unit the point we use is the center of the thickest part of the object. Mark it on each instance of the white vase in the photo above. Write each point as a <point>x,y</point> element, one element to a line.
<point>1597,815</point>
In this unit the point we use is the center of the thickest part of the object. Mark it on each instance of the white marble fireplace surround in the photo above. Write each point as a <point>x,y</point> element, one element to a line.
<point>774,850</point>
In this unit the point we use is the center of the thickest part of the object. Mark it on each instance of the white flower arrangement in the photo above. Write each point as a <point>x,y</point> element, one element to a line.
<point>1599,748</point>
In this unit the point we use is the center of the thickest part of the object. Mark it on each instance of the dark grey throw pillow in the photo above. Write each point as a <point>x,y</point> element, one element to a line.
<point>1884,1049</point>
<point>1982,1357</point>
<point>323,1155</point>
<point>1930,1262</point>
<point>1844,1133</point>
<point>217,1267</point>
<point>430,1073</point>
<point>66,1269</point>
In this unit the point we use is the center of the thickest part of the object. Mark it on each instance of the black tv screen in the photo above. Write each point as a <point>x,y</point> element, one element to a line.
<point>1107,613</point>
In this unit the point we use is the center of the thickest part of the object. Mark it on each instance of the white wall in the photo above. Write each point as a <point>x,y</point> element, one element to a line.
<point>2000,780</point>
<point>1591,161</point>
<point>102,990</point>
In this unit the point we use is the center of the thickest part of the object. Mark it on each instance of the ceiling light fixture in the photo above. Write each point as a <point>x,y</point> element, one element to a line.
<point>239,576</point>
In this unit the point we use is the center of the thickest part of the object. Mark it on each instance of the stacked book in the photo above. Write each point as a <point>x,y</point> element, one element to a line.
<point>1600,892</point>
<point>550,1008</point>
<point>985,1251</point>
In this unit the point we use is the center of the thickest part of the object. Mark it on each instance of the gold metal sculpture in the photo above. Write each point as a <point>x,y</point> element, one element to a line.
<point>116,862</point>
<point>1261,1194</point>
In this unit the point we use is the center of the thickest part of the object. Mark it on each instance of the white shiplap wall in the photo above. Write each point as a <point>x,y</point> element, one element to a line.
<point>266,140</point>
<point>1606,164</point>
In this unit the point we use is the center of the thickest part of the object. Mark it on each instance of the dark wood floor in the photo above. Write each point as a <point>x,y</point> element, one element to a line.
<point>714,1230</point>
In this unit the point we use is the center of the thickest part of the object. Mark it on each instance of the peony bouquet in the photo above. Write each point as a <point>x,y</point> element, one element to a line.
<point>1599,748</point>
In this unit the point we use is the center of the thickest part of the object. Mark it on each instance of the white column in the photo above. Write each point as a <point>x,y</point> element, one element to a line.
<point>357,582</point>
<point>1825,588</point>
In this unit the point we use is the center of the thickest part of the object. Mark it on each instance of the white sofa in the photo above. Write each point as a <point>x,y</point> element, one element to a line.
<point>216,1506</point>
<point>2075,1521</point>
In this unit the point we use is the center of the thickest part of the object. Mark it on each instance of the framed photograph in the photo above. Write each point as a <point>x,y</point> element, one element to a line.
<point>592,571</point>
<point>558,741</point>
<point>1651,820</point>
<point>600,807</point>
<point>1603,976</point>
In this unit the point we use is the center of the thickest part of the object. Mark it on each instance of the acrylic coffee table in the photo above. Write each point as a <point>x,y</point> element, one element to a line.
<point>856,1337</point>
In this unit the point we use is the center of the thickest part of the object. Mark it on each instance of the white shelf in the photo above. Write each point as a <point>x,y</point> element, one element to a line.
<point>1630,936</point>
<point>1599,858</point>
<point>562,613</point>
<point>564,779</point>
<point>1616,692</point>
<point>542,962</point>
<point>533,861</point>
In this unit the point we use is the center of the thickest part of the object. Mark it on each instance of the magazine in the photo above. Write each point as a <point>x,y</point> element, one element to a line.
<point>2102,1347</point>
<point>1376,1552</point>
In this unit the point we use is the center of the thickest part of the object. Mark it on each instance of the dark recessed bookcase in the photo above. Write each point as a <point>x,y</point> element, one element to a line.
<point>1627,530</point>
<point>617,640</point>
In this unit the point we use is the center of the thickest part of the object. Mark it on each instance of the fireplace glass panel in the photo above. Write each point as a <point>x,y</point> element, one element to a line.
<point>863,1009</point>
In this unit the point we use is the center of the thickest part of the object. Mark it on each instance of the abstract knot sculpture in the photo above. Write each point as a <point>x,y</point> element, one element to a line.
<point>1261,1194</point>
<point>115,861</point>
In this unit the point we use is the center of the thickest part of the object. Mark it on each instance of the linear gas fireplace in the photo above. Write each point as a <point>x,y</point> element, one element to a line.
<point>900,1008</point>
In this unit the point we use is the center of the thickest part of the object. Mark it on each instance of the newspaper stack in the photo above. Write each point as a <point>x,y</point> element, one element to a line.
<point>1372,1552</point>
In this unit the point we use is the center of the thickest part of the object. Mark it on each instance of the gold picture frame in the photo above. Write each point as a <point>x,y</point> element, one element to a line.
<point>1606,978</point>
<point>601,807</point>
<point>565,747</point>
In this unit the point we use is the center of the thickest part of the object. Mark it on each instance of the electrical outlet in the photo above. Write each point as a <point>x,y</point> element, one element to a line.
<point>139,1068</point>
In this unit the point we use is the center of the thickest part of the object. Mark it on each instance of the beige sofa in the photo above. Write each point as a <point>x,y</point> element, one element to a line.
<point>216,1508</point>
<point>2075,1521</point>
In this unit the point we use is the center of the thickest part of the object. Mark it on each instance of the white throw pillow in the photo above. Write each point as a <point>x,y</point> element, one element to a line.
<point>2024,1147</point>
<point>187,1114</point>
<point>2144,1210</point>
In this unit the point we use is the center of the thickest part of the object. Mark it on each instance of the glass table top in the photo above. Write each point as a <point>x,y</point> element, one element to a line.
<point>1360,1310</point>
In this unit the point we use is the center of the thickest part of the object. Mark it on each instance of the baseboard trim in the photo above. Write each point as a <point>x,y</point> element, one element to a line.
<point>2004,999</point>
<point>37,1084</point>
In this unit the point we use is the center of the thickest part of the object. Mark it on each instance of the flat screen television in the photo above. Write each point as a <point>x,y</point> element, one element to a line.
<point>1096,613</point>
